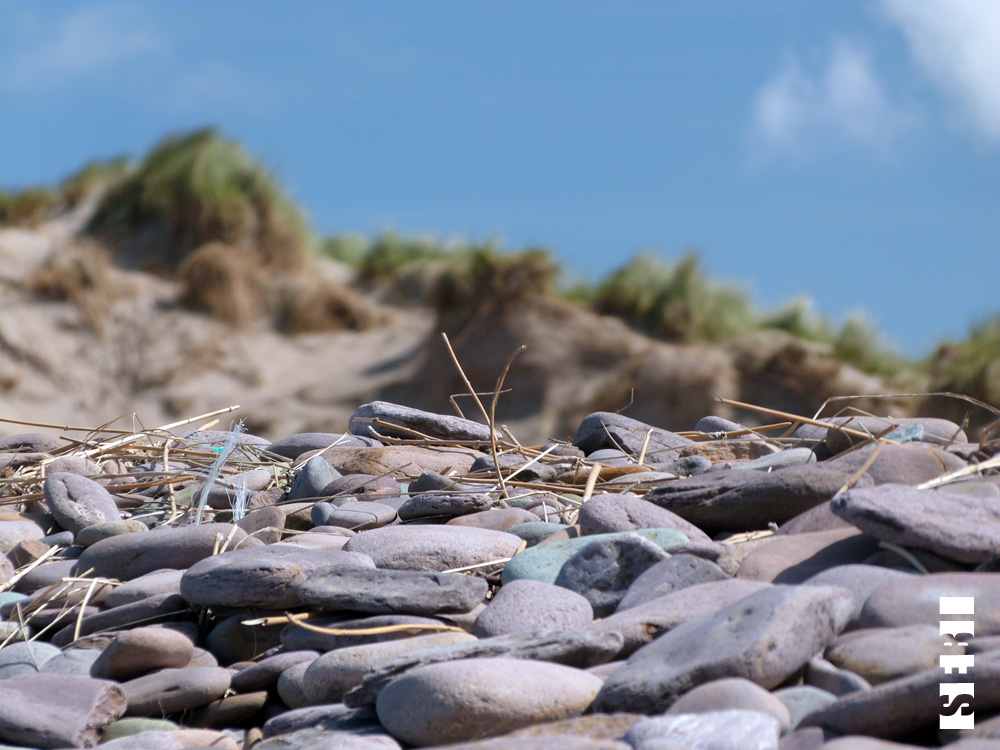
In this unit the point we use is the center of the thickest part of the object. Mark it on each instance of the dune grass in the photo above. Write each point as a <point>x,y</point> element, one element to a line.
<point>675,301</point>
<point>28,207</point>
<point>198,188</point>
<point>970,367</point>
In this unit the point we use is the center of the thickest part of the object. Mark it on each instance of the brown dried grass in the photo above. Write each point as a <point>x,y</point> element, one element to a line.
<point>81,274</point>
<point>220,280</point>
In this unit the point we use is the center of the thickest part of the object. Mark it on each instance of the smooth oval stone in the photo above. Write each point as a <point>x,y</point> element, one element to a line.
<point>882,654</point>
<point>13,532</point>
<point>462,700</point>
<point>132,555</point>
<point>401,461</point>
<point>295,445</point>
<point>608,513</point>
<point>25,658</point>
<point>861,580</point>
<point>98,531</point>
<point>130,726</point>
<point>820,518</point>
<point>57,710</point>
<point>667,576</point>
<point>75,465</point>
<point>765,638</point>
<point>139,650</point>
<point>264,674</point>
<point>385,627</point>
<point>154,608</point>
<point>642,623</point>
<point>290,688</point>
<point>730,693</point>
<point>391,591</point>
<point>916,601</point>
<point>609,430</point>
<point>264,524</point>
<point>802,700</point>
<point>831,678</point>
<point>433,504</point>
<point>735,728</point>
<point>229,711</point>
<point>314,475</point>
<point>332,717</point>
<point>433,548</point>
<point>797,557</point>
<point>603,569</point>
<point>72,661</point>
<point>533,532</point>
<point>171,690</point>
<point>330,676</point>
<point>954,525</point>
<point>361,485</point>
<point>544,561</point>
<point>525,605</point>
<point>499,519</point>
<point>29,442</point>
<point>393,417</point>
<point>267,577</point>
<point>255,480</point>
<point>44,575</point>
<point>356,516</point>
<point>231,641</point>
<point>177,739</point>
<point>167,581</point>
<point>77,502</point>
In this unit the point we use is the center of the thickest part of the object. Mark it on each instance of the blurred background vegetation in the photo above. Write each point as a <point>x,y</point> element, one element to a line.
<point>200,209</point>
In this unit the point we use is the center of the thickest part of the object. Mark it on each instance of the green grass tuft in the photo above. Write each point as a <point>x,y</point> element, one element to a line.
<point>27,208</point>
<point>970,367</point>
<point>674,301</point>
<point>198,188</point>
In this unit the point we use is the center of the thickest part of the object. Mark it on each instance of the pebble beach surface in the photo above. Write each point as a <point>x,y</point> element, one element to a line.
<point>421,581</point>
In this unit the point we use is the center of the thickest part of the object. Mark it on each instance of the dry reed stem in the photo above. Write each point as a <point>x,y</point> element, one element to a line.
<point>793,417</point>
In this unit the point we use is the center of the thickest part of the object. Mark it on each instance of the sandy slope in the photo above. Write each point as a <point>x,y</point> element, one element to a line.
<point>164,363</point>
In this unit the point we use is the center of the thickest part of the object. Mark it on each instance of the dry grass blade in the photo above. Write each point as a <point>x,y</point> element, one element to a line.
<point>492,419</point>
<point>793,417</point>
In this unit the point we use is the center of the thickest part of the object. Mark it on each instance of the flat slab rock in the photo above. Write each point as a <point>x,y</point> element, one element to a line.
<point>764,637</point>
<point>955,525</point>
<point>915,600</point>
<point>573,648</point>
<point>131,555</point>
<point>57,710</point>
<point>743,500</point>
<point>381,591</point>
<point>381,418</point>
<point>267,577</point>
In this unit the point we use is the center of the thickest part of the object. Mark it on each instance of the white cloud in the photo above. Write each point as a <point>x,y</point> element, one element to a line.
<point>797,114</point>
<point>91,39</point>
<point>958,43</point>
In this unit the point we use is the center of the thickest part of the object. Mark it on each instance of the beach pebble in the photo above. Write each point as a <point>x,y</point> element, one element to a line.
<point>602,570</point>
<point>336,588</point>
<point>140,650</point>
<point>267,577</point>
<point>77,502</point>
<point>608,512</point>
<point>525,605</point>
<point>462,700</point>
<point>129,556</point>
<point>168,691</point>
<point>433,548</point>
<point>733,729</point>
<point>674,573</point>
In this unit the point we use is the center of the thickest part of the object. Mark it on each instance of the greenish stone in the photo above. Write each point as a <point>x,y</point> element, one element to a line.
<point>128,727</point>
<point>543,562</point>
<point>535,531</point>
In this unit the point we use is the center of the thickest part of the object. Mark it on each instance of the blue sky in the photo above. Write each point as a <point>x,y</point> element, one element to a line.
<point>848,151</point>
